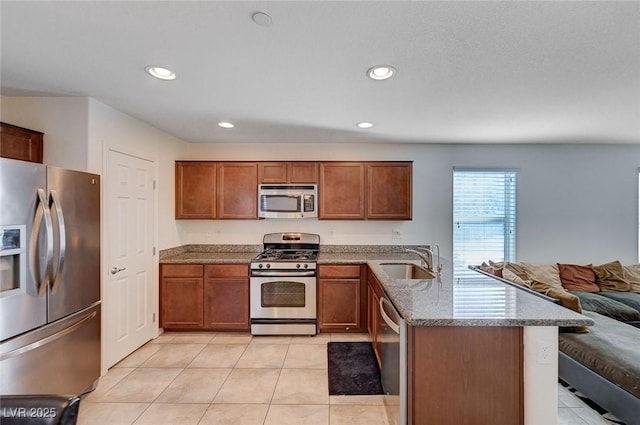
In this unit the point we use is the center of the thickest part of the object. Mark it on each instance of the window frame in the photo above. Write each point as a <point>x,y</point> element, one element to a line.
<point>510,218</point>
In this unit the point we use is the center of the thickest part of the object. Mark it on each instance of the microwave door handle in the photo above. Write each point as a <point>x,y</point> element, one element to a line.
<point>62,246</point>
<point>42,212</point>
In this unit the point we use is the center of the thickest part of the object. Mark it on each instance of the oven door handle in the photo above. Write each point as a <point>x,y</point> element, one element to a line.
<point>282,274</point>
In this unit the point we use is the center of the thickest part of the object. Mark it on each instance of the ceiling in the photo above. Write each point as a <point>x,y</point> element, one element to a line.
<point>467,72</point>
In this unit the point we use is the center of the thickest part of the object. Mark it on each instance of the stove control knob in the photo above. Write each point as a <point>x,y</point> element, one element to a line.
<point>297,266</point>
<point>260,266</point>
<point>306,266</point>
<point>268,266</point>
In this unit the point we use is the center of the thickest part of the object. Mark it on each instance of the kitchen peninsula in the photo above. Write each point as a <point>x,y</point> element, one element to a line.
<point>478,351</point>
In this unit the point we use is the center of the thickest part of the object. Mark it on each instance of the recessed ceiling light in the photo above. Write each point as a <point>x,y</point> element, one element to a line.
<point>364,124</point>
<point>381,72</point>
<point>262,19</point>
<point>225,124</point>
<point>160,72</point>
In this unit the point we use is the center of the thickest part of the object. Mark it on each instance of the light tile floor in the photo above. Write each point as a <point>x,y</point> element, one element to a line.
<point>237,379</point>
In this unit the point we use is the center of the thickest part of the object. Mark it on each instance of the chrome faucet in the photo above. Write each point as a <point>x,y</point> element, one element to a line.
<point>438,263</point>
<point>426,257</point>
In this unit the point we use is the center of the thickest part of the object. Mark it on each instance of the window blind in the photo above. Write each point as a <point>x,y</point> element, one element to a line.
<point>484,216</point>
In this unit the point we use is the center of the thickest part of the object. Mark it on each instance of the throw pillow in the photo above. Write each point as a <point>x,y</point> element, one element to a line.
<point>567,300</point>
<point>610,277</point>
<point>491,269</point>
<point>578,278</point>
<point>632,275</point>
<point>516,269</point>
<point>545,273</point>
<point>512,277</point>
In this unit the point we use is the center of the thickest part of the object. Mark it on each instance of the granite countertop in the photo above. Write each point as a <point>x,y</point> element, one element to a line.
<point>465,298</point>
<point>470,298</point>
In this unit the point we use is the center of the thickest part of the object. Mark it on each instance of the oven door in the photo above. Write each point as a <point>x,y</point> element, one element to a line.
<point>283,297</point>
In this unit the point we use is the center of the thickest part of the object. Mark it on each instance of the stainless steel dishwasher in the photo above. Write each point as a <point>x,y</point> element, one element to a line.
<point>393,350</point>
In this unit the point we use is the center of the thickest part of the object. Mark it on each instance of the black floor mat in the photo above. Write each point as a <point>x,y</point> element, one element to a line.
<point>353,369</point>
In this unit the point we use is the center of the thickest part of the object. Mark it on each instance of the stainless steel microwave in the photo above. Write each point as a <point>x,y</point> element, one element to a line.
<point>287,201</point>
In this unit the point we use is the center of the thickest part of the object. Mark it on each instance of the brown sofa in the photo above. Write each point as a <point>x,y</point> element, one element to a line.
<point>603,361</point>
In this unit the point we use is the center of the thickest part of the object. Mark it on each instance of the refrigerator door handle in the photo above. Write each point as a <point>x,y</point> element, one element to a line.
<point>48,339</point>
<point>42,212</point>
<point>62,246</point>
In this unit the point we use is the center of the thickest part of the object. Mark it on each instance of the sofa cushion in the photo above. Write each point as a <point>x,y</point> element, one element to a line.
<point>610,277</point>
<point>610,349</point>
<point>632,275</point>
<point>578,278</point>
<point>544,273</point>
<point>607,306</point>
<point>630,299</point>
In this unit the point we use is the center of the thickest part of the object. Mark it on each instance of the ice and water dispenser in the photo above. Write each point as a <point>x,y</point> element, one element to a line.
<point>13,258</point>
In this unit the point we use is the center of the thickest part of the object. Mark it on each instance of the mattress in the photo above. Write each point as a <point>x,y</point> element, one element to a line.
<point>611,349</point>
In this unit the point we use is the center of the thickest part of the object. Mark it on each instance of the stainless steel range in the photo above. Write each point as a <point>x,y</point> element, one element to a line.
<point>283,285</point>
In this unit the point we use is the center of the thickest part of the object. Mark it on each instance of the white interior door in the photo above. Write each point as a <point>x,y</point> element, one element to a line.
<point>128,293</point>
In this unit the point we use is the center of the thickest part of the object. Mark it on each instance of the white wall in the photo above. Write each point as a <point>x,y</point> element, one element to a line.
<point>109,128</point>
<point>63,120</point>
<point>576,203</point>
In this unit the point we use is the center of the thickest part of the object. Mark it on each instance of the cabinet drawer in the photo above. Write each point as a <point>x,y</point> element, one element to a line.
<point>350,271</point>
<point>228,270</point>
<point>182,270</point>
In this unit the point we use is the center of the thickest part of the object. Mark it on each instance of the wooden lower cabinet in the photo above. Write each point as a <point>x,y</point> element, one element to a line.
<point>181,301</point>
<point>226,298</point>
<point>199,297</point>
<point>465,375</point>
<point>341,298</point>
<point>374,318</point>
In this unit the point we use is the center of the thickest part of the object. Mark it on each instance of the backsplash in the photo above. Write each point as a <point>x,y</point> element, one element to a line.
<point>334,249</point>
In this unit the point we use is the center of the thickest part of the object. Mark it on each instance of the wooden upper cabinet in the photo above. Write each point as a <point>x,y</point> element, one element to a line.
<point>341,191</point>
<point>272,172</point>
<point>20,143</point>
<point>287,172</point>
<point>196,190</point>
<point>237,190</point>
<point>303,172</point>
<point>389,190</point>
<point>346,190</point>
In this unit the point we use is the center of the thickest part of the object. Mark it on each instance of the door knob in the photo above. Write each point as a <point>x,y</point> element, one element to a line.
<point>115,270</point>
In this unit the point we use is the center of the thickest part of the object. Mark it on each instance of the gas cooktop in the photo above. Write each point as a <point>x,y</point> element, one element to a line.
<point>287,255</point>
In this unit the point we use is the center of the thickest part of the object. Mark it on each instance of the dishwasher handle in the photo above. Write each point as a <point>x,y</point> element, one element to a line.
<point>393,325</point>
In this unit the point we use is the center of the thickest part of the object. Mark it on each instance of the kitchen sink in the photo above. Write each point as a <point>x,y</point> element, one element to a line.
<point>406,271</point>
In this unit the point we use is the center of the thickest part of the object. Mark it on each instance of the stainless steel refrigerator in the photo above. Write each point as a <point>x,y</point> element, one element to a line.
<point>49,279</point>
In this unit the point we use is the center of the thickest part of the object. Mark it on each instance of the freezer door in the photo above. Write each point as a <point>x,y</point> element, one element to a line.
<point>74,199</point>
<point>60,358</point>
<point>23,270</point>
